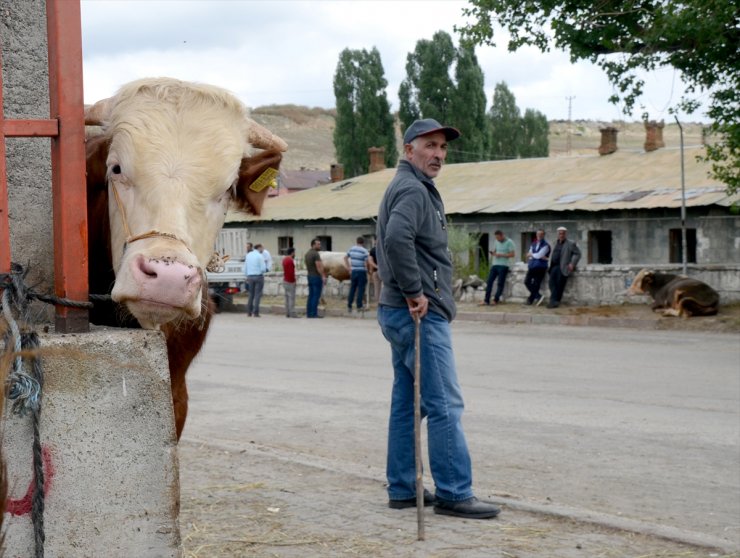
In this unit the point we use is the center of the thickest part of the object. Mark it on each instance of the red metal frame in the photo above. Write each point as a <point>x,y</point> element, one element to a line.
<point>66,127</point>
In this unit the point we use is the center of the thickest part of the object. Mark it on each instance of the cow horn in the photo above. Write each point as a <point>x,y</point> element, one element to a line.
<point>262,138</point>
<point>96,114</point>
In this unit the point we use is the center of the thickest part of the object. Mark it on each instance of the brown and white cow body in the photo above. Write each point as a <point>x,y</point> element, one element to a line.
<point>676,295</point>
<point>171,158</point>
<point>334,265</point>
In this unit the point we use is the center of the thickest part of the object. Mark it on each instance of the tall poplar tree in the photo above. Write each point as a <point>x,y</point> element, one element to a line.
<point>364,118</point>
<point>468,110</point>
<point>534,140</point>
<point>506,124</point>
<point>428,88</point>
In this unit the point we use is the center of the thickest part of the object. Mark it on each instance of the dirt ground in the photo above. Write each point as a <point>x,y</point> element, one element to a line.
<point>242,495</point>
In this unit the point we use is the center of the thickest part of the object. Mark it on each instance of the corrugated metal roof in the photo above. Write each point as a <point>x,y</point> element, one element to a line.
<point>622,180</point>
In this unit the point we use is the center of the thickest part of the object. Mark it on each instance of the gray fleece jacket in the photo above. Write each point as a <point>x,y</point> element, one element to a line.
<point>413,257</point>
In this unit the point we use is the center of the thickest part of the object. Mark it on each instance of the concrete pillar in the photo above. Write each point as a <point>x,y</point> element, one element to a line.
<point>377,159</point>
<point>654,135</point>
<point>337,172</point>
<point>108,438</point>
<point>608,140</point>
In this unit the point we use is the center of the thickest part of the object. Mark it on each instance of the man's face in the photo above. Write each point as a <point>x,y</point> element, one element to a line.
<point>427,153</point>
<point>316,245</point>
<point>562,235</point>
<point>540,235</point>
<point>500,237</point>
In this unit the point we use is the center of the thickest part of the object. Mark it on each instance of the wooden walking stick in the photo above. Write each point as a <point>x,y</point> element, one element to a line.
<point>417,431</point>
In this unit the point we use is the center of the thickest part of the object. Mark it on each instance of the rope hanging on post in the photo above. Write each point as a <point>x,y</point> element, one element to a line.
<point>25,388</point>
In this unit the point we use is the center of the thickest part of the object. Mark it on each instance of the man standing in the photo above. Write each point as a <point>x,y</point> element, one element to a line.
<point>372,262</point>
<point>537,259</point>
<point>356,261</point>
<point>267,257</point>
<point>503,256</point>
<point>416,270</point>
<point>289,283</point>
<point>254,269</point>
<point>565,256</point>
<point>316,278</point>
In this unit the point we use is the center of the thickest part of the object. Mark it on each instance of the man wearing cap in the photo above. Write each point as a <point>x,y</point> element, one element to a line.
<point>565,256</point>
<point>416,270</point>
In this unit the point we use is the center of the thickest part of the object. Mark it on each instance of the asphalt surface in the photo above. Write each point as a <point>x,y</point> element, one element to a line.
<point>636,432</point>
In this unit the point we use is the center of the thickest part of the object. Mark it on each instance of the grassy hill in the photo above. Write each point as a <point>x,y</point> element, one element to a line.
<point>310,134</point>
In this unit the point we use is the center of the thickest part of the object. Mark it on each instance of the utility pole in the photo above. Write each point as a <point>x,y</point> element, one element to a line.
<point>570,106</point>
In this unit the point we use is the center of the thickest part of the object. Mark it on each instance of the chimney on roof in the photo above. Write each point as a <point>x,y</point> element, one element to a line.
<point>654,135</point>
<point>377,159</point>
<point>608,140</point>
<point>337,172</point>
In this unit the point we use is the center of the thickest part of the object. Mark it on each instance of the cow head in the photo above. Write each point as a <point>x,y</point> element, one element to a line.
<point>641,283</point>
<point>173,156</point>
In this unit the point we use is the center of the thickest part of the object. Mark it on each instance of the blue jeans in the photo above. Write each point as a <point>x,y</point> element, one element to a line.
<point>441,402</point>
<point>500,272</point>
<point>315,285</point>
<point>357,284</point>
<point>256,284</point>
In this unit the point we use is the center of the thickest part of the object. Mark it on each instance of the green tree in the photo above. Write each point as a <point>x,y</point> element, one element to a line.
<point>534,141</point>
<point>468,110</point>
<point>428,88</point>
<point>364,118</point>
<point>506,124</point>
<point>699,38</point>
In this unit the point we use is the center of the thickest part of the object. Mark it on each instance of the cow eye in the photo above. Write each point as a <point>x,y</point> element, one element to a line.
<point>116,169</point>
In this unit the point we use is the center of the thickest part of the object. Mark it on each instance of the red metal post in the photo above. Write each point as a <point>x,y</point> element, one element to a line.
<point>64,31</point>
<point>4,217</point>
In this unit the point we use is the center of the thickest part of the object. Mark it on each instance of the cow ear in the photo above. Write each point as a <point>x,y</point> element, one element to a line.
<point>256,175</point>
<point>96,153</point>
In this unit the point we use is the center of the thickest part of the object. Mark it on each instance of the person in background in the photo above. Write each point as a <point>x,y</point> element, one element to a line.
<point>563,262</point>
<point>416,269</point>
<point>372,262</point>
<point>267,257</point>
<point>316,278</point>
<point>254,269</point>
<point>503,257</point>
<point>355,260</point>
<point>289,283</point>
<point>537,260</point>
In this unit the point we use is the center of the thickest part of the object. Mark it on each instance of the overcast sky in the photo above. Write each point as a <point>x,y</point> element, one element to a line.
<point>286,51</point>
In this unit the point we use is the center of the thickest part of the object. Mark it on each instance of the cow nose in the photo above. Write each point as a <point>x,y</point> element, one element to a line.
<point>166,280</point>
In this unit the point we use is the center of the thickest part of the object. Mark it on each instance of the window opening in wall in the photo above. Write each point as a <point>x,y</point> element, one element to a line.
<point>527,238</point>
<point>675,253</point>
<point>284,242</point>
<point>600,247</point>
<point>325,243</point>
<point>483,248</point>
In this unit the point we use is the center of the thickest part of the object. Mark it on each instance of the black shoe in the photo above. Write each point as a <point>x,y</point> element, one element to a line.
<point>472,508</point>
<point>411,502</point>
<point>553,305</point>
<point>528,303</point>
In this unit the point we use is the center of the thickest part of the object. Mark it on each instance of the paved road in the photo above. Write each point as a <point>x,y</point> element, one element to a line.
<point>599,424</point>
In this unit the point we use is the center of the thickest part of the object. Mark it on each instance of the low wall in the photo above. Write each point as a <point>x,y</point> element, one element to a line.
<point>591,285</point>
<point>110,454</point>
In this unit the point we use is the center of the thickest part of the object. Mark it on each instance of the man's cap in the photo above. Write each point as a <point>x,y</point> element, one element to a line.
<point>562,229</point>
<point>428,126</point>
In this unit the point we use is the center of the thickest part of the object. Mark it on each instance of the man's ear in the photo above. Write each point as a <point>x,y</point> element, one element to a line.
<point>256,175</point>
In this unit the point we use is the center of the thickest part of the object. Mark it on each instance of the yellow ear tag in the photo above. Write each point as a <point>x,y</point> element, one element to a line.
<point>266,179</point>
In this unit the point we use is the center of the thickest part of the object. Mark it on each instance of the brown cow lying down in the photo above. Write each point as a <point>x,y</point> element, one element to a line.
<point>171,158</point>
<point>678,295</point>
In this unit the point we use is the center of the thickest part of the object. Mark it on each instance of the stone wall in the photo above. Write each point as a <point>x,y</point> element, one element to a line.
<point>591,285</point>
<point>25,91</point>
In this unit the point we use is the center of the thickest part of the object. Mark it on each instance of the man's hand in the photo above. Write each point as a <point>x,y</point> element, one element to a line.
<point>418,306</point>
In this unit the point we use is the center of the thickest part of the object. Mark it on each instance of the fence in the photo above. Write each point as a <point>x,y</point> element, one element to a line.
<point>66,128</point>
